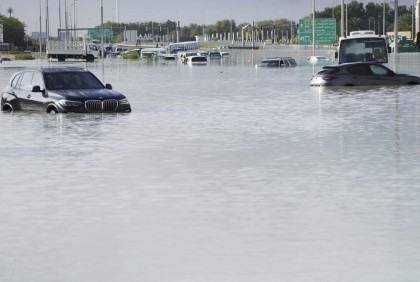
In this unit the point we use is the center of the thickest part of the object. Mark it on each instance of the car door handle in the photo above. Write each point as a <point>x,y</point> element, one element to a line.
<point>29,96</point>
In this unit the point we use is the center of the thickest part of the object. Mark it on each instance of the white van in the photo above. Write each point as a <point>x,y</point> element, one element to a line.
<point>153,53</point>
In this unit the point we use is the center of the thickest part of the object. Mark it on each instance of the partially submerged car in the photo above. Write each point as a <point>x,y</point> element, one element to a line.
<point>196,61</point>
<point>361,74</point>
<point>314,59</point>
<point>61,90</point>
<point>277,62</point>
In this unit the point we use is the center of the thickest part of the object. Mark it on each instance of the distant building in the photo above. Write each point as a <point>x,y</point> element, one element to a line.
<point>417,16</point>
<point>1,33</point>
<point>35,37</point>
<point>3,46</point>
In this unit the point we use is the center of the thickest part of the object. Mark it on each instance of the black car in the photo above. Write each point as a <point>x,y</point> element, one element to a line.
<point>61,90</point>
<point>361,74</point>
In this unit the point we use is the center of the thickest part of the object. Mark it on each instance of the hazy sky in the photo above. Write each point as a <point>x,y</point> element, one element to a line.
<point>88,12</point>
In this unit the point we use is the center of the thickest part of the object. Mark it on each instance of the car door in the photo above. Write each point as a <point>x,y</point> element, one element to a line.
<point>360,74</point>
<point>23,90</point>
<point>9,94</point>
<point>28,100</point>
<point>385,76</point>
<point>37,100</point>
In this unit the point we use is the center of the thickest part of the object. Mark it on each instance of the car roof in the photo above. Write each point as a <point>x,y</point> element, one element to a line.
<point>351,64</point>
<point>278,58</point>
<point>66,69</point>
<point>57,69</point>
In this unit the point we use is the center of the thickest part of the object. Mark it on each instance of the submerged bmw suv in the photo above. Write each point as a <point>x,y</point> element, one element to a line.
<point>61,90</point>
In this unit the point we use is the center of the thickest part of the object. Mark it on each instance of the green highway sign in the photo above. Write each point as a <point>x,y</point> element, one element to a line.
<point>97,32</point>
<point>325,31</point>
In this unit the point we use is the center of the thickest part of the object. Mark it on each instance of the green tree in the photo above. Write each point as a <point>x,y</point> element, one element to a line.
<point>10,11</point>
<point>13,31</point>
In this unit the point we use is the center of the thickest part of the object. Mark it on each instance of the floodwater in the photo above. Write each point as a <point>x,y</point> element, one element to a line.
<point>221,173</point>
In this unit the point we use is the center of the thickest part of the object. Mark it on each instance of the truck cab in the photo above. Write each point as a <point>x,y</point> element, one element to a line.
<point>361,46</point>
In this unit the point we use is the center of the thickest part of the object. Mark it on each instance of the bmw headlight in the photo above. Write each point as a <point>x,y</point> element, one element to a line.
<point>69,103</point>
<point>124,102</point>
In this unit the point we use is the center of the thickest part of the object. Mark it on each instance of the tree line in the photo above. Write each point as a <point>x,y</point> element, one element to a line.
<point>359,17</point>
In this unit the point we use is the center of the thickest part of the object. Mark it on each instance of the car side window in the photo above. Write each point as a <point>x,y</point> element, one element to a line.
<point>16,80</point>
<point>26,81</point>
<point>360,70</point>
<point>37,80</point>
<point>379,70</point>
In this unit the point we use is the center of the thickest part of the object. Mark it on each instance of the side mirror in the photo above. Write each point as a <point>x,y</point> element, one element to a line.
<point>336,55</point>
<point>37,88</point>
<point>108,86</point>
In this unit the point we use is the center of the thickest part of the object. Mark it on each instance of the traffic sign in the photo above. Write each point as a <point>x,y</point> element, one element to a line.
<point>97,32</point>
<point>325,31</point>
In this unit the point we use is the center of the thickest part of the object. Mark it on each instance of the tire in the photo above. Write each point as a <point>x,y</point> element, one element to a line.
<point>52,110</point>
<point>7,108</point>
<point>90,58</point>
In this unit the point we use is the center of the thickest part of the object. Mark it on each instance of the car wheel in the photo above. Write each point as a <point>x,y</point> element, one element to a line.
<point>7,108</point>
<point>90,58</point>
<point>52,110</point>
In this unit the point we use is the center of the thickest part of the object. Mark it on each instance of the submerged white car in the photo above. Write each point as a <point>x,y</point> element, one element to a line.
<point>314,59</point>
<point>277,62</point>
<point>196,60</point>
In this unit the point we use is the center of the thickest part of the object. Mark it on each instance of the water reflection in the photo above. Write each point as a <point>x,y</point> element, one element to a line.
<point>223,172</point>
<point>383,104</point>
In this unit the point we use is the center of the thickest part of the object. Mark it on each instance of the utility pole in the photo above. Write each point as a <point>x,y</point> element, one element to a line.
<point>342,19</point>
<point>40,30</point>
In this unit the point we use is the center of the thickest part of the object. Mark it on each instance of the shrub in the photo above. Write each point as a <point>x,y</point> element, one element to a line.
<point>24,57</point>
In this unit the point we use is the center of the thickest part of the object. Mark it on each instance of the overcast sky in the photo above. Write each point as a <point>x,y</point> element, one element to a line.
<point>88,12</point>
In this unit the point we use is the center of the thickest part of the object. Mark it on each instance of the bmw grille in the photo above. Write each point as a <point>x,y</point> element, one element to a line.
<point>97,106</point>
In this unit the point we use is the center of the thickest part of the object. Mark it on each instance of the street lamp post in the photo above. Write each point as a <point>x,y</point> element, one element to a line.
<point>243,28</point>
<point>383,20</point>
<point>412,21</point>
<point>374,23</point>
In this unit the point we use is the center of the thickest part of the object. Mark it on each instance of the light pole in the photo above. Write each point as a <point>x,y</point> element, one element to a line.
<point>347,21</point>
<point>374,23</point>
<point>412,21</point>
<point>342,19</point>
<point>383,20</point>
<point>243,28</point>
<point>395,27</point>
<point>313,27</point>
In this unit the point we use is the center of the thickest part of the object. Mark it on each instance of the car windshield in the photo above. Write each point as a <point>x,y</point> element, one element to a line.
<point>269,64</point>
<point>72,80</point>
<point>328,70</point>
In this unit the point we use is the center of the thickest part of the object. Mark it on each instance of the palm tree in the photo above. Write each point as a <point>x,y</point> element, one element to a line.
<point>10,11</point>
